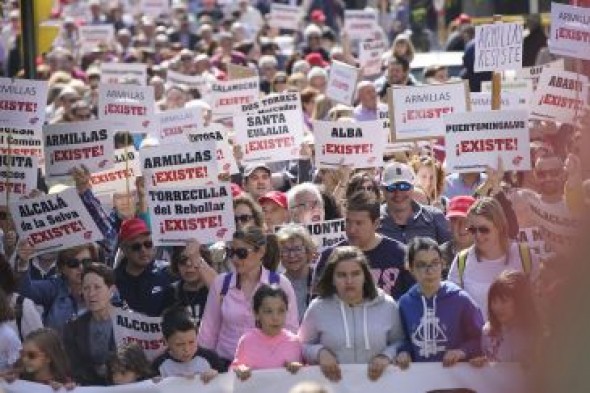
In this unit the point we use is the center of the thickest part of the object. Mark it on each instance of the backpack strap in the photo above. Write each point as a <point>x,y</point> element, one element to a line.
<point>525,258</point>
<point>225,285</point>
<point>461,263</point>
<point>274,277</point>
<point>18,313</point>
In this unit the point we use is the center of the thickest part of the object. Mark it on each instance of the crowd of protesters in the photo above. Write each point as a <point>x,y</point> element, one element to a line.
<point>433,267</point>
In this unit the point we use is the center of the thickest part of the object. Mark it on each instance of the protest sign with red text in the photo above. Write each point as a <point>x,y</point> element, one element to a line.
<point>127,107</point>
<point>284,16</point>
<point>476,140</point>
<point>360,24</point>
<point>176,124</point>
<point>93,35</point>
<point>342,82</point>
<point>534,73</point>
<point>114,180</point>
<point>521,88</point>
<point>54,222</point>
<point>22,103</point>
<point>481,102</point>
<point>228,96</point>
<point>226,162</point>
<point>18,177</point>
<point>570,31</point>
<point>204,213</point>
<point>22,141</point>
<point>133,327</point>
<point>370,53</point>
<point>560,96</point>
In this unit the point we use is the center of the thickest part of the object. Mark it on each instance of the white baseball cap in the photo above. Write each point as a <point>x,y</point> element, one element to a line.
<point>397,172</point>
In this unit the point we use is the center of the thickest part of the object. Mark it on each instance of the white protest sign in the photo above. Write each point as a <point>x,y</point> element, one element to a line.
<point>533,238</point>
<point>127,107</point>
<point>283,16</point>
<point>54,222</point>
<point>481,102</point>
<point>277,102</point>
<point>570,31</point>
<point>358,144</point>
<point>22,103</point>
<point>560,96</point>
<point>199,82</point>
<point>370,53</point>
<point>228,96</point>
<point>418,110</point>
<point>18,177</point>
<point>521,88</point>
<point>132,327</point>
<point>155,8</point>
<point>114,180</point>
<point>325,234</point>
<point>560,228</point>
<point>204,213</point>
<point>360,24</point>
<point>269,137</point>
<point>226,162</point>
<point>21,141</point>
<point>87,143</point>
<point>475,140</point>
<point>176,124</point>
<point>342,82</point>
<point>128,73</point>
<point>177,165</point>
<point>498,47</point>
<point>93,35</point>
<point>534,73</point>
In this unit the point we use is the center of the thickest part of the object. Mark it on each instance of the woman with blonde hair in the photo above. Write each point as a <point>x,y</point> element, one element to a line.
<point>430,177</point>
<point>403,47</point>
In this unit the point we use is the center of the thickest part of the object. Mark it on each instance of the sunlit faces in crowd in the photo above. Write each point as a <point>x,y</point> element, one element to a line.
<point>397,183</point>
<point>367,95</point>
<point>247,213</point>
<point>488,225</point>
<point>297,250</point>
<point>275,209</point>
<point>305,203</point>
<point>257,180</point>
<point>549,175</point>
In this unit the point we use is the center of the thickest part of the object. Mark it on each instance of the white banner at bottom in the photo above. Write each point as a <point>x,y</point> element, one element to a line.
<point>419,378</point>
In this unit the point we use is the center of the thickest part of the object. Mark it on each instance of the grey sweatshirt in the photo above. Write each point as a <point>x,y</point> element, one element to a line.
<point>353,334</point>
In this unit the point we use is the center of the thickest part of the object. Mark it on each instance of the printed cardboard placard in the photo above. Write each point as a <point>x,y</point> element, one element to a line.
<point>54,222</point>
<point>498,47</point>
<point>127,107</point>
<point>358,144</point>
<point>87,143</point>
<point>383,116</point>
<point>370,53</point>
<point>570,31</point>
<point>22,141</point>
<point>418,110</point>
<point>475,140</point>
<point>22,103</point>
<point>269,137</point>
<point>482,102</point>
<point>201,83</point>
<point>114,180</point>
<point>533,238</point>
<point>273,103</point>
<point>93,35</point>
<point>283,16</point>
<point>521,88</point>
<point>226,162</point>
<point>128,73</point>
<point>155,8</point>
<point>133,327</point>
<point>325,234</point>
<point>228,96</point>
<point>560,96</point>
<point>18,177</point>
<point>177,124</point>
<point>360,23</point>
<point>204,213</point>
<point>534,73</point>
<point>342,82</point>
<point>177,165</point>
<point>235,71</point>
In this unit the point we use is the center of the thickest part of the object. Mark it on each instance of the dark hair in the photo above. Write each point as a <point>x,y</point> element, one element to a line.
<point>69,253</point>
<point>356,182</point>
<point>122,139</point>
<point>272,254</point>
<point>245,199</point>
<point>7,278</point>
<point>401,61</point>
<point>331,207</point>
<point>418,244</point>
<point>513,285</point>
<point>50,343</point>
<point>364,201</point>
<point>177,256</point>
<point>176,319</point>
<point>254,236</point>
<point>101,270</point>
<point>265,291</point>
<point>129,357</point>
<point>6,311</point>
<point>431,70</point>
<point>326,286</point>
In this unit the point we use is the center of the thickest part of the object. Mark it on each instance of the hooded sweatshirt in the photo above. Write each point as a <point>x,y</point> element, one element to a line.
<point>354,334</point>
<point>448,320</point>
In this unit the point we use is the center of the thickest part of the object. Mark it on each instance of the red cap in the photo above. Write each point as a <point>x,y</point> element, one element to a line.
<point>131,228</point>
<point>280,198</point>
<point>463,18</point>
<point>315,59</point>
<point>317,16</point>
<point>235,190</point>
<point>459,205</point>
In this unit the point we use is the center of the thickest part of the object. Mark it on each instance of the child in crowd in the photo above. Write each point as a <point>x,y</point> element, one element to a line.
<point>441,321</point>
<point>512,328</point>
<point>270,345</point>
<point>10,344</point>
<point>128,365</point>
<point>181,360</point>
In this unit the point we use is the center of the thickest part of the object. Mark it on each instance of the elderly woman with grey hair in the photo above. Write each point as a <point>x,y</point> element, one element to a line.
<point>305,203</point>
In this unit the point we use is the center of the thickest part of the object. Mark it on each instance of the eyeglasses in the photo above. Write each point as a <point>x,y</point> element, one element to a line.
<point>426,266</point>
<point>240,253</point>
<point>292,251</point>
<point>74,263</point>
<point>244,218</point>
<point>483,230</point>
<point>308,205</point>
<point>400,186</point>
<point>542,174</point>
<point>148,244</point>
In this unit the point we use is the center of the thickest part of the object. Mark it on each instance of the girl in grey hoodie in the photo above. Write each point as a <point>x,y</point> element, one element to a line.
<point>352,321</point>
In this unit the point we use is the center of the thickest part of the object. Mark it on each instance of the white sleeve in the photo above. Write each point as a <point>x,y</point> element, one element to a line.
<point>31,318</point>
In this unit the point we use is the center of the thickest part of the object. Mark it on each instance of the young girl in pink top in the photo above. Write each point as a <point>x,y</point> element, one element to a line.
<point>270,345</point>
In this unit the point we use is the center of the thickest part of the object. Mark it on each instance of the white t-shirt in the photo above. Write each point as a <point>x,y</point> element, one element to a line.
<point>10,347</point>
<point>479,275</point>
<point>31,319</point>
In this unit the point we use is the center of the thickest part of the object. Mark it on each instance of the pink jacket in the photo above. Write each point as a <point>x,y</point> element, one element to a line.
<point>224,322</point>
<point>257,350</point>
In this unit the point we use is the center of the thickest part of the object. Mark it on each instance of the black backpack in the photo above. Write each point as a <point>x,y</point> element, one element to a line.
<point>18,314</point>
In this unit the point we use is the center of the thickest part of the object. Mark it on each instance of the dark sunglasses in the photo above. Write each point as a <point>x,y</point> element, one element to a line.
<point>401,186</point>
<point>244,218</point>
<point>483,230</point>
<point>240,253</point>
<point>148,244</point>
<point>542,174</point>
<point>74,263</point>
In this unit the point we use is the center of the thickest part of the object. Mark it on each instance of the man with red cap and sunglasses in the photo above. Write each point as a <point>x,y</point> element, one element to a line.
<point>402,218</point>
<point>141,280</point>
